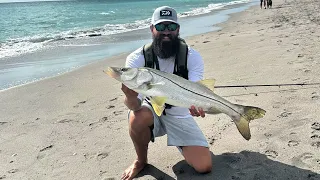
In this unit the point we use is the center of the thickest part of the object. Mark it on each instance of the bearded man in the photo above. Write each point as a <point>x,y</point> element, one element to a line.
<point>165,52</point>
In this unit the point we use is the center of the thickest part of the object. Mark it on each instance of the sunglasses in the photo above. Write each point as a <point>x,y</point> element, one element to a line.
<point>163,27</point>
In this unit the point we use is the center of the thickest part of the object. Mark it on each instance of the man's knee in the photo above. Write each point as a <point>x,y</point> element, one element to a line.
<point>203,167</point>
<point>141,118</point>
<point>199,158</point>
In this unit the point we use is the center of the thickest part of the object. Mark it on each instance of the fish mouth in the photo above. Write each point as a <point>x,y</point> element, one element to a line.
<point>112,72</point>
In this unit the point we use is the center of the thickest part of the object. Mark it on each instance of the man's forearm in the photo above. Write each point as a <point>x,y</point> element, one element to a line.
<point>133,104</point>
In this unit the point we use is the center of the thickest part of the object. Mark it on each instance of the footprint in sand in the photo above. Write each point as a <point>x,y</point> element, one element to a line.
<point>295,79</point>
<point>316,141</point>
<point>276,26</point>
<point>102,120</point>
<point>271,153</point>
<point>306,70</point>
<point>293,143</point>
<point>102,155</point>
<point>315,126</point>
<point>305,159</point>
<point>267,135</point>
<point>3,177</point>
<point>109,178</point>
<point>77,105</point>
<point>277,105</point>
<point>42,154</point>
<point>300,55</point>
<point>46,148</point>
<point>12,171</point>
<point>315,97</point>
<point>65,121</point>
<point>113,99</point>
<point>284,114</point>
<point>316,144</point>
<point>3,123</point>
<point>316,135</point>
<point>116,113</point>
<point>110,107</point>
<point>102,173</point>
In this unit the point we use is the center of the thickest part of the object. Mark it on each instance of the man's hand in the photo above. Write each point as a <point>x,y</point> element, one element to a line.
<point>131,100</point>
<point>197,112</point>
<point>128,92</point>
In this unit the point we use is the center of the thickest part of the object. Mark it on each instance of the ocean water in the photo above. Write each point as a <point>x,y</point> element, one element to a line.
<point>45,39</point>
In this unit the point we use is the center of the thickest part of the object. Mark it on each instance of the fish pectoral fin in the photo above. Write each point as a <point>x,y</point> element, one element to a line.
<point>151,85</point>
<point>158,104</point>
<point>209,83</point>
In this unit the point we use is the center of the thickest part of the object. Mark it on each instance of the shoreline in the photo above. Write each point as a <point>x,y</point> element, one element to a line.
<point>54,62</point>
<point>74,126</point>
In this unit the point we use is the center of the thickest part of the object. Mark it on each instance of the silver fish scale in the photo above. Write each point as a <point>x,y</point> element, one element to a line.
<point>181,92</point>
<point>184,93</point>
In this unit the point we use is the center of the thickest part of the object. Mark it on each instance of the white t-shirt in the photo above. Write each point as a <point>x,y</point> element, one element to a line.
<point>195,72</point>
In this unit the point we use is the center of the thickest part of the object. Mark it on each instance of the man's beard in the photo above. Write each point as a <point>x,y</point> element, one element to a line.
<point>165,49</point>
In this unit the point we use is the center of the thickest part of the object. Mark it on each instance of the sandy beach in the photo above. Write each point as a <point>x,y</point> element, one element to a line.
<point>74,126</point>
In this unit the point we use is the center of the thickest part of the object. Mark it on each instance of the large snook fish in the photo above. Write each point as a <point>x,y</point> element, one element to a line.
<point>168,88</point>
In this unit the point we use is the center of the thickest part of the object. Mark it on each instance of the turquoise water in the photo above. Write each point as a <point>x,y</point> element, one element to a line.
<point>27,27</point>
<point>43,39</point>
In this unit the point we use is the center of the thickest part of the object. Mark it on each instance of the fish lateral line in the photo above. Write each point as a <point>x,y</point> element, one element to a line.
<point>197,93</point>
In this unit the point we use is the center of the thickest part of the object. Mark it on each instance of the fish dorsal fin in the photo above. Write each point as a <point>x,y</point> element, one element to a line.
<point>209,83</point>
<point>158,104</point>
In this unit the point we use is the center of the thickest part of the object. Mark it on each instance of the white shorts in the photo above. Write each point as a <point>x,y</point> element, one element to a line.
<point>180,131</point>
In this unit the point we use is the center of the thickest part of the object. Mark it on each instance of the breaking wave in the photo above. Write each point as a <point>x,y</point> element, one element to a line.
<point>18,46</point>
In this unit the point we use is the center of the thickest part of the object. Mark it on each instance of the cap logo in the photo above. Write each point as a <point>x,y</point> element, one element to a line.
<point>165,13</point>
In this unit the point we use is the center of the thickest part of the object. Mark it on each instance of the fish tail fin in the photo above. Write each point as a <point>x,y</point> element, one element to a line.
<point>249,113</point>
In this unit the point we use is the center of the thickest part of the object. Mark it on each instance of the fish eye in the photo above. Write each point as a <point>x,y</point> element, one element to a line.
<point>124,69</point>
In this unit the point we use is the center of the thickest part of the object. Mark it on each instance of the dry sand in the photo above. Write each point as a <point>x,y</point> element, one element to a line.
<point>75,126</point>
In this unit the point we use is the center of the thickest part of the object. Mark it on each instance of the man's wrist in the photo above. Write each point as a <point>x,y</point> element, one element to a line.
<point>136,109</point>
<point>133,104</point>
